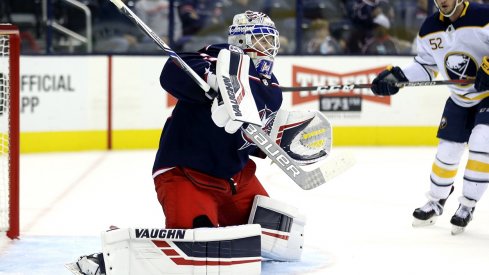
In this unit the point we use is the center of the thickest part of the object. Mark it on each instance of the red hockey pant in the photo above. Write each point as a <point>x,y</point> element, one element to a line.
<point>185,194</point>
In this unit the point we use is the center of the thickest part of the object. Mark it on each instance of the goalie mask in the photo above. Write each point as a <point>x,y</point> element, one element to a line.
<point>255,33</point>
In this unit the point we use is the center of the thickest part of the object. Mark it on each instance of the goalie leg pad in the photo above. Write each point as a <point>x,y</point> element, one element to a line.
<point>282,229</point>
<point>224,250</point>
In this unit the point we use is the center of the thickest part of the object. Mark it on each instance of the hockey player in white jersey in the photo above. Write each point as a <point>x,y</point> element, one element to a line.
<point>453,42</point>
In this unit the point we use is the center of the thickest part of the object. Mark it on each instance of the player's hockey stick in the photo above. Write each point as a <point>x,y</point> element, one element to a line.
<point>305,179</point>
<point>349,87</point>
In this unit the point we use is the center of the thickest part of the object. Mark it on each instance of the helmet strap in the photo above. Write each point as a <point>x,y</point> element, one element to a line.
<point>459,2</point>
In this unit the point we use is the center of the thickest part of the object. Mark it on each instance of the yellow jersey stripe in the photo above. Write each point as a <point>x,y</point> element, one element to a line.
<point>479,97</point>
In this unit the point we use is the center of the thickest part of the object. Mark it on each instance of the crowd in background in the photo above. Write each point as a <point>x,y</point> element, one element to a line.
<point>376,27</point>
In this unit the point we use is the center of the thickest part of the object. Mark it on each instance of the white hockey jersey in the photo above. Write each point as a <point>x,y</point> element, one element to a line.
<point>453,49</point>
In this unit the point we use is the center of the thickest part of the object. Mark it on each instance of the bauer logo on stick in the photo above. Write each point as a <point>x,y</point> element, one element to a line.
<point>275,154</point>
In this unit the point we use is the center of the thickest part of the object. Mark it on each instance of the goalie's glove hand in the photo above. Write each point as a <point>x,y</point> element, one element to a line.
<point>482,76</point>
<point>384,83</point>
<point>220,115</point>
<point>306,136</point>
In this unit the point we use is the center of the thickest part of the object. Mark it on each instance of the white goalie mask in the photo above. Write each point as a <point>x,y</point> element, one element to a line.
<point>458,3</point>
<point>255,33</point>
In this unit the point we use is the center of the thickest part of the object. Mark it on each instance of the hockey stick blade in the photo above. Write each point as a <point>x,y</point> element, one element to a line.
<point>306,180</point>
<point>337,164</point>
<point>349,87</point>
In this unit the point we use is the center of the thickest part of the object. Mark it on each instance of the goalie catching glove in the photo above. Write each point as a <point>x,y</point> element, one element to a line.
<point>306,136</point>
<point>234,104</point>
<point>384,83</point>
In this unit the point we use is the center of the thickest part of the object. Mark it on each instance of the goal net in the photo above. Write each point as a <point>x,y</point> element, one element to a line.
<point>9,130</point>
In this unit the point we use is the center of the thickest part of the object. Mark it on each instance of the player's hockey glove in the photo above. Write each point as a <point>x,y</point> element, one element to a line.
<point>384,83</point>
<point>482,76</point>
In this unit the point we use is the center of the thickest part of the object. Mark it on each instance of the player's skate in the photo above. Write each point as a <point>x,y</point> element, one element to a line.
<point>428,213</point>
<point>463,215</point>
<point>88,265</point>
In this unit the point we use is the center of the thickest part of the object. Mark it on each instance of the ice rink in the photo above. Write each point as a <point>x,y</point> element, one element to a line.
<point>359,223</point>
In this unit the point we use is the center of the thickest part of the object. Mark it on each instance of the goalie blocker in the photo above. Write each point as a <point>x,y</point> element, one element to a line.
<point>234,104</point>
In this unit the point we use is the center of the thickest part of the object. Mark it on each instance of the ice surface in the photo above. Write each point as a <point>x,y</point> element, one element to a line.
<point>359,223</point>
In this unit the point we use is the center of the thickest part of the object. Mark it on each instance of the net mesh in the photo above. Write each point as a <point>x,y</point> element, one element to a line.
<point>4,132</point>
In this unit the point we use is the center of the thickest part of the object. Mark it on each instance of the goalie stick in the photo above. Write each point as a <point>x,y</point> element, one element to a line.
<point>349,87</point>
<point>305,179</point>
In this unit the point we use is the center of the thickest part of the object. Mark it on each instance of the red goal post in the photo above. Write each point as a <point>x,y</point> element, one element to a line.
<point>9,130</point>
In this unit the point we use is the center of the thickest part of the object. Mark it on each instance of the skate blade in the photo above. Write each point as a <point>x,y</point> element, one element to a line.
<point>457,230</point>
<point>420,223</point>
<point>73,268</point>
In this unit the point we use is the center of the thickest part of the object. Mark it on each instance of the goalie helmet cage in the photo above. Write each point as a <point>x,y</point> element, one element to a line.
<point>9,130</point>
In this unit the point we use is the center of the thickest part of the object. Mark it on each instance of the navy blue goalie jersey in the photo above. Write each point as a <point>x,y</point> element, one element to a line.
<point>190,138</point>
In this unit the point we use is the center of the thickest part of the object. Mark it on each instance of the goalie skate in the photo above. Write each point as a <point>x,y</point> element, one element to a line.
<point>73,268</point>
<point>463,216</point>
<point>88,265</point>
<point>428,213</point>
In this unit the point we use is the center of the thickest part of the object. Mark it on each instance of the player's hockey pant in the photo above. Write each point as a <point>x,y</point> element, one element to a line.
<point>188,196</point>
